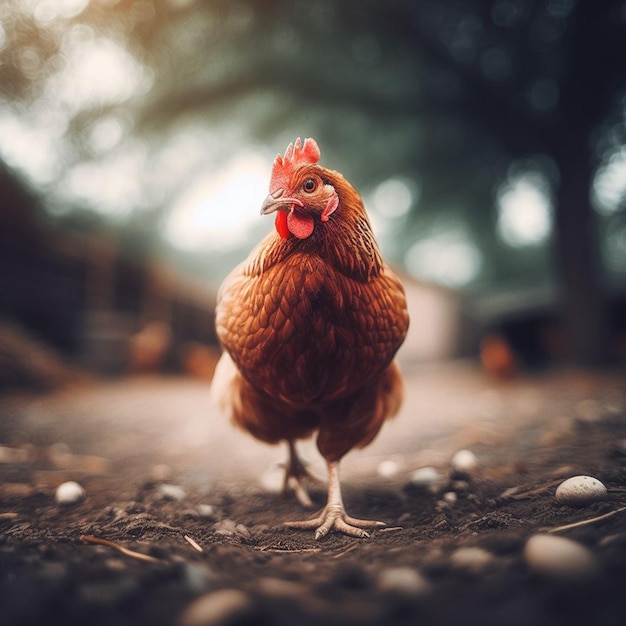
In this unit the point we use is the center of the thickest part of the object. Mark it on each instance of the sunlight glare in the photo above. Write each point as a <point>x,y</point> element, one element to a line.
<point>97,71</point>
<point>609,187</point>
<point>105,134</point>
<point>112,187</point>
<point>219,211</point>
<point>30,147</point>
<point>392,198</point>
<point>524,211</point>
<point>449,259</point>
<point>47,10</point>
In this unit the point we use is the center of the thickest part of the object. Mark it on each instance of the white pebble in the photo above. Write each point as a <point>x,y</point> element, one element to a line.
<point>560,559</point>
<point>218,607</point>
<point>450,497</point>
<point>464,461</point>
<point>69,492</point>
<point>387,469</point>
<point>230,528</point>
<point>207,511</point>
<point>404,581</point>
<point>580,490</point>
<point>171,492</point>
<point>472,560</point>
<point>425,477</point>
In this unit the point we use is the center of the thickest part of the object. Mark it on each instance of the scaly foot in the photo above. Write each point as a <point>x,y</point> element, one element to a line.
<point>296,474</point>
<point>334,517</point>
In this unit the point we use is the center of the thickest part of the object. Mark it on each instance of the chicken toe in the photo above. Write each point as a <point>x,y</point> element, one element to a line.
<point>333,516</point>
<point>296,474</point>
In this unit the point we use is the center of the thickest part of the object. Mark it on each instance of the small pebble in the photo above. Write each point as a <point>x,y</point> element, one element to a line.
<point>473,560</point>
<point>387,469</point>
<point>460,486</point>
<point>560,559</point>
<point>425,477</point>
<point>226,606</point>
<point>171,492</point>
<point>450,497</point>
<point>242,531</point>
<point>403,581</point>
<point>207,511</point>
<point>197,578</point>
<point>230,528</point>
<point>580,490</point>
<point>69,492</point>
<point>464,462</point>
<point>280,588</point>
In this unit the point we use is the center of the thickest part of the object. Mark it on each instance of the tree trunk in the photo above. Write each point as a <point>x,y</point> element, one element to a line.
<point>583,105</point>
<point>582,298</point>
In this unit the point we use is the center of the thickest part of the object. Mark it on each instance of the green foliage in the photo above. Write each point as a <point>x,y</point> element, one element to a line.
<point>446,95</point>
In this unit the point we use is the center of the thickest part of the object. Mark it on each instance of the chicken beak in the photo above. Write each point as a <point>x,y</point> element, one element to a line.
<point>272,202</point>
<point>276,201</point>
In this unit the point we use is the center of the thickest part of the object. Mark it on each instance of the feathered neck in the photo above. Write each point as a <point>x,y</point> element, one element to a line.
<point>346,241</point>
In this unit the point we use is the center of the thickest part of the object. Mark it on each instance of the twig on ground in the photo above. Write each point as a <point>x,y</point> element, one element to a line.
<point>193,543</point>
<point>591,520</point>
<point>515,493</point>
<point>116,546</point>
<point>287,550</point>
<point>350,548</point>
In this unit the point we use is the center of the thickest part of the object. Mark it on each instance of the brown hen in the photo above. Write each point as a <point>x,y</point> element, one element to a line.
<point>310,324</point>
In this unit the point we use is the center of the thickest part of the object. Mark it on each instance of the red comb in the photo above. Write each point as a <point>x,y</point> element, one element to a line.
<point>296,155</point>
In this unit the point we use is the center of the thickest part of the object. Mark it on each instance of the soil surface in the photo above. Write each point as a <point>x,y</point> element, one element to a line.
<point>194,505</point>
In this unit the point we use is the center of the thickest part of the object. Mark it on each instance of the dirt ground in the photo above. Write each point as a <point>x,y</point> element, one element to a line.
<point>195,505</point>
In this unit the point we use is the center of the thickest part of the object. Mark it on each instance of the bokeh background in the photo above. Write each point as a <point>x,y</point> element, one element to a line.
<point>487,138</point>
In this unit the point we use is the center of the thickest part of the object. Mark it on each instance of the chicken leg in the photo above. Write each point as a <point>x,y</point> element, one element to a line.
<point>296,474</point>
<point>333,516</point>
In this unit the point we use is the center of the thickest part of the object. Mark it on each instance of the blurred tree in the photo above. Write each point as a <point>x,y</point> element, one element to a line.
<point>457,98</point>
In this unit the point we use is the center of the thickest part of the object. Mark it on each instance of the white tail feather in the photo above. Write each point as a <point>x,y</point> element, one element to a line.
<point>224,385</point>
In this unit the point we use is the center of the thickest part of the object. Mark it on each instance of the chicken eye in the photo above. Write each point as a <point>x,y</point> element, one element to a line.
<point>309,185</point>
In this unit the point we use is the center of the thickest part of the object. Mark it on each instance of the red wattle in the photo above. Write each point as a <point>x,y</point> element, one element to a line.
<point>300,224</point>
<point>281,224</point>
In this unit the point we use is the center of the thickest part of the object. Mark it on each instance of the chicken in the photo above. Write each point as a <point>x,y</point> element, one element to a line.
<point>310,324</point>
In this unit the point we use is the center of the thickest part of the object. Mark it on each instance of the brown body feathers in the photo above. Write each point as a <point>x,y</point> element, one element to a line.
<point>312,325</point>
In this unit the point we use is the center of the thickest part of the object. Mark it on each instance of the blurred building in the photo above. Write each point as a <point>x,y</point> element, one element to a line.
<point>82,297</point>
<point>439,329</point>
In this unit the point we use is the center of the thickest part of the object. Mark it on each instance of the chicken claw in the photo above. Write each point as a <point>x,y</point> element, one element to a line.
<point>333,516</point>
